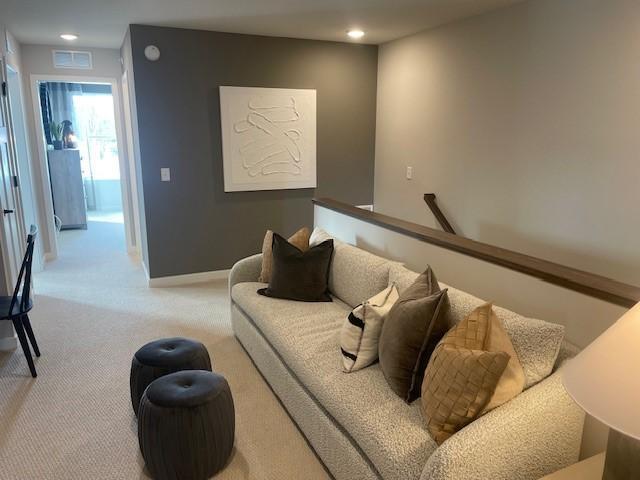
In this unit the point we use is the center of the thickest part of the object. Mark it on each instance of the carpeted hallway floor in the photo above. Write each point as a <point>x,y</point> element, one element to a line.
<point>92,311</point>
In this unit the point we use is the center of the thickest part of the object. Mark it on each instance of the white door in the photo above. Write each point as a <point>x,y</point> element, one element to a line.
<point>19,140</point>
<point>10,233</point>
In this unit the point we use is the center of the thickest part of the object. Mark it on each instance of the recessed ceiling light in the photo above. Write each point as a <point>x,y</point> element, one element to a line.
<point>69,36</point>
<point>355,33</point>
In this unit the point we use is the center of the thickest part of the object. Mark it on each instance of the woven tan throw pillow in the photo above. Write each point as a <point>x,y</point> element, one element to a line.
<point>300,239</point>
<point>473,369</point>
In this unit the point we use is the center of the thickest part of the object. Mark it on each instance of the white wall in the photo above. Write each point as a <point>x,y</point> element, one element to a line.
<point>524,122</point>
<point>38,60</point>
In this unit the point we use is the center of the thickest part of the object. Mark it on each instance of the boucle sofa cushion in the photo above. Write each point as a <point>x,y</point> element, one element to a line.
<point>536,342</point>
<point>401,276</point>
<point>300,239</point>
<point>410,332</point>
<point>356,274</point>
<point>306,336</point>
<point>361,330</point>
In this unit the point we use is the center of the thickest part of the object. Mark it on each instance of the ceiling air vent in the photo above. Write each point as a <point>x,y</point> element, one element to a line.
<point>72,59</point>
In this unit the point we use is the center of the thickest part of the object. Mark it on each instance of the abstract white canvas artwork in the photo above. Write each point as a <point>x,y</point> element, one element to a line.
<point>268,138</point>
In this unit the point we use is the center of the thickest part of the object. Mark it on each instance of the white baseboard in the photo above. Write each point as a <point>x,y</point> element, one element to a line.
<point>187,279</point>
<point>8,343</point>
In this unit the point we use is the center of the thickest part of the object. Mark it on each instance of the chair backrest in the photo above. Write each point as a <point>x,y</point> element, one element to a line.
<point>25,273</point>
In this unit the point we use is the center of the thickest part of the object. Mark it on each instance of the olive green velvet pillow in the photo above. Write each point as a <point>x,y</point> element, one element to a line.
<point>414,326</point>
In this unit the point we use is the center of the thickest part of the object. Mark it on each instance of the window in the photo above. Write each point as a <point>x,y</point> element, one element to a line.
<point>96,134</point>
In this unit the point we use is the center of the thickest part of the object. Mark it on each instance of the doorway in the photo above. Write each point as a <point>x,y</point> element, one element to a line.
<point>82,158</point>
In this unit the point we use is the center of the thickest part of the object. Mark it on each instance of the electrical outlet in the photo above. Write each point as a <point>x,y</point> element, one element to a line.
<point>409,173</point>
<point>165,174</point>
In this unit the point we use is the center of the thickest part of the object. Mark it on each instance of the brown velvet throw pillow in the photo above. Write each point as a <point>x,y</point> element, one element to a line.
<point>414,326</point>
<point>298,275</point>
<point>473,369</point>
<point>300,239</point>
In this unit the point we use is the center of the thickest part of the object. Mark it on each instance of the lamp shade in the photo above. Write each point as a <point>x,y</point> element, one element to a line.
<point>604,379</point>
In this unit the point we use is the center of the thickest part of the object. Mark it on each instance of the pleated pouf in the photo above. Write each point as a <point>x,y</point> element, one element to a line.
<point>162,357</point>
<point>186,425</point>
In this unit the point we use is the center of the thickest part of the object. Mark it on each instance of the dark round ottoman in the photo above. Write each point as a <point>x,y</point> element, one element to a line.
<point>186,425</point>
<point>163,357</point>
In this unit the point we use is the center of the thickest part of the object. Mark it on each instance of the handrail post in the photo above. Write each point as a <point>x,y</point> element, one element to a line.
<point>430,200</point>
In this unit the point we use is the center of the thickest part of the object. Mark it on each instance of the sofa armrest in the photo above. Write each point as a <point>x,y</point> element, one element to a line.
<point>534,434</point>
<point>245,270</point>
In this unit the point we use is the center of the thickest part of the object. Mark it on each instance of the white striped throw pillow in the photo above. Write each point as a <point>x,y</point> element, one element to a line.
<point>361,330</point>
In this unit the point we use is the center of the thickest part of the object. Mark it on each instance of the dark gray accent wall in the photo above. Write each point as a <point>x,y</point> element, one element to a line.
<point>192,224</point>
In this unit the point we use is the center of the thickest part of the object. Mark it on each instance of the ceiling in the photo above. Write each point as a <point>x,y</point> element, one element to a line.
<point>102,23</point>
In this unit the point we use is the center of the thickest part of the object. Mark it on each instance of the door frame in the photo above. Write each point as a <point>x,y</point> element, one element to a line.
<point>127,187</point>
<point>133,176</point>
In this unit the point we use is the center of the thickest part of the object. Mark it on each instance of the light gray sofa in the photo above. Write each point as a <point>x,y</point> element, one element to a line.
<point>358,427</point>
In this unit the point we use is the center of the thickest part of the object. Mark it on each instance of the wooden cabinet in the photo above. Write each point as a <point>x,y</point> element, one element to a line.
<point>67,188</point>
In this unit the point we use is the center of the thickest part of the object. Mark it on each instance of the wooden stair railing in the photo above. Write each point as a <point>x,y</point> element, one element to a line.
<point>430,200</point>
<point>590,284</point>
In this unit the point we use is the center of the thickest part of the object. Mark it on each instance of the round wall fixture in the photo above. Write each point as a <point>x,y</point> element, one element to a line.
<point>152,53</point>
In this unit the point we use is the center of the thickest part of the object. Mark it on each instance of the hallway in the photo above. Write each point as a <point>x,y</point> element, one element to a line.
<point>92,311</point>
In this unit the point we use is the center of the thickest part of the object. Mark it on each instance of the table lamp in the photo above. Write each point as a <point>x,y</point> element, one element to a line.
<point>604,379</point>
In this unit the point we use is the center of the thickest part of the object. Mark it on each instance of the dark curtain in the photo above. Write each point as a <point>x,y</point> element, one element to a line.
<point>61,100</point>
<point>46,113</point>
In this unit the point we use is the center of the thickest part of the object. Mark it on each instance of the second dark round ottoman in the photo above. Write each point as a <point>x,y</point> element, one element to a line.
<point>186,425</point>
<point>162,357</point>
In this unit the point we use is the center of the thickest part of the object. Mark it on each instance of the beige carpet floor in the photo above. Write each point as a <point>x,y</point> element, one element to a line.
<point>93,310</point>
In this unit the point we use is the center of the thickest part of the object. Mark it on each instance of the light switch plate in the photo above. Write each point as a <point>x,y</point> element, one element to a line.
<point>165,174</point>
<point>409,173</point>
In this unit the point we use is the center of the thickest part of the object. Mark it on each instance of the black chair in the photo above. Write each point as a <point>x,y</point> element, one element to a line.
<point>16,307</point>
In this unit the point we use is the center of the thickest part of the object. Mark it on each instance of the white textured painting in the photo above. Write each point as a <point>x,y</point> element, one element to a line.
<point>268,138</point>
